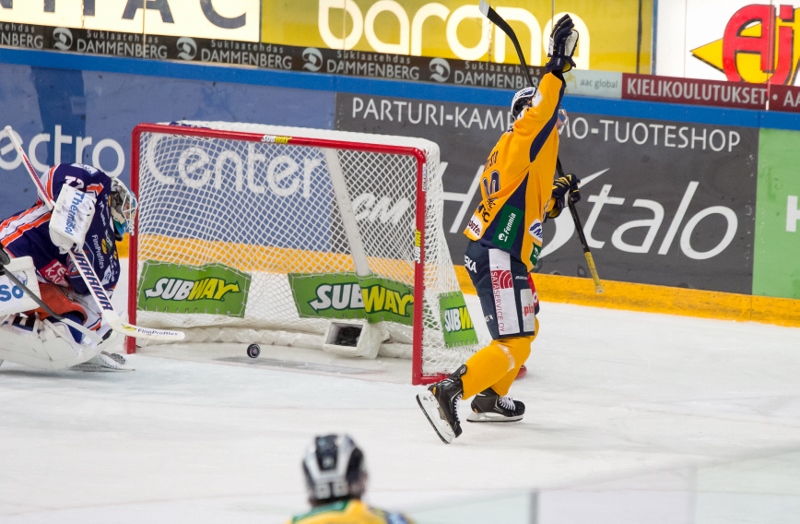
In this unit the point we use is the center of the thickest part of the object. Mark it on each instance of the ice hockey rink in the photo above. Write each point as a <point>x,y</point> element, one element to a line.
<point>631,418</point>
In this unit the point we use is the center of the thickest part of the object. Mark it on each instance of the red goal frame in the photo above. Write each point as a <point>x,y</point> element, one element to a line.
<point>417,376</point>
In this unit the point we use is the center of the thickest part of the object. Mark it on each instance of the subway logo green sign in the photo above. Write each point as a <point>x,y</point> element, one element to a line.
<point>345,295</point>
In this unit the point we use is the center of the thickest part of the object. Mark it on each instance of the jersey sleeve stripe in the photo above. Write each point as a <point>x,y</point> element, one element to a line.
<point>14,218</point>
<point>49,185</point>
<point>20,230</point>
<point>544,134</point>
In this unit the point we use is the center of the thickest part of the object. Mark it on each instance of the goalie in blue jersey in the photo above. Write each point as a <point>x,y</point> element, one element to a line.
<point>92,211</point>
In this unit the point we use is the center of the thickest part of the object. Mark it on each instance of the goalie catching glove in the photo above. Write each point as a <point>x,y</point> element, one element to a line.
<point>563,186</point>
<point>72,216</point>
<point>563,41</point>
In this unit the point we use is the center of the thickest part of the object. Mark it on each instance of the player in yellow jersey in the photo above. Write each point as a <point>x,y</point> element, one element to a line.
<point>336,479</point>
<point>505,232</point>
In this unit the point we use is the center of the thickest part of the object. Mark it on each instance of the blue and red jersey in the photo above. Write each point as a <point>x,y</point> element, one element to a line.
<point>28,233</point>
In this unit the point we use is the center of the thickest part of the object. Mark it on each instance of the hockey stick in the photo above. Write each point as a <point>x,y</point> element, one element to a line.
<point>598,286</point>
<point>498,20</point>
<point>86,270</point>
<point>4,259</point>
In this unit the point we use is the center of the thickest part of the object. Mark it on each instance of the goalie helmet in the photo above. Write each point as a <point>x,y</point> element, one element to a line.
<point>334,470</point>
<point>521,100</point>
<point>123,208</point>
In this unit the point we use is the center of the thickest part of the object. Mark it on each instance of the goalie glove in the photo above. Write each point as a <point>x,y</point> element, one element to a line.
<point>563,186</point>
<point>563,41</point>
<point>72,216</point>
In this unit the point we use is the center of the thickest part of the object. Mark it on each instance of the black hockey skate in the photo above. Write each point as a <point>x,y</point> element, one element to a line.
<point>440,405</point>
<point>488,406</point>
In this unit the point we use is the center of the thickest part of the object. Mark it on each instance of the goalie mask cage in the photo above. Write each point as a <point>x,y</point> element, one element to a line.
<point>256,233</point>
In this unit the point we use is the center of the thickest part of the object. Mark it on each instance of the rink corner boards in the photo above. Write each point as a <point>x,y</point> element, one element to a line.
<point>660,299</point>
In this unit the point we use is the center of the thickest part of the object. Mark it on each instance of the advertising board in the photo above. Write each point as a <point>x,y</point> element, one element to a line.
<point>345,295</point>
<point>776,272</point>
<point>733,40</point>
<point>228,19</point>
<point>664,202</point>
<point>670,203</point>
<point>69,116</point>
<point>209,289</point>
<point>695,92</point>
<point>455,29</point>
<point>266,56</point>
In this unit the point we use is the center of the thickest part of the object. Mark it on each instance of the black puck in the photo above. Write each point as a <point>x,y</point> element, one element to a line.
<point>253,350</point>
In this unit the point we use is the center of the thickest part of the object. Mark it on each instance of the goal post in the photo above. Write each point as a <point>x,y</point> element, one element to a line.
<point>271,234</point>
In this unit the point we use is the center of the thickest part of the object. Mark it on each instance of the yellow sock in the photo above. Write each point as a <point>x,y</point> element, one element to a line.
<point>486,367</point>
<point>520,348</point>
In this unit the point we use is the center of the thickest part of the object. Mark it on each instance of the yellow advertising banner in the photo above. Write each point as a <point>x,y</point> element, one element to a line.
<point>758,45</point>
<point>218,19</point>
<point>613,33</point>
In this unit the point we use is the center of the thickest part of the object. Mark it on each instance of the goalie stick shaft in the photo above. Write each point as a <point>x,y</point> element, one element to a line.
<point>498,20</point>
<point>87,271</point>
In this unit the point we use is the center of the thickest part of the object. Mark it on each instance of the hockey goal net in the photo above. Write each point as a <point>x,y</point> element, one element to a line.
<point>251,233</point>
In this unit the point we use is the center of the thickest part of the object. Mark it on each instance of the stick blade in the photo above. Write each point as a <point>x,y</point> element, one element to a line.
<point>165,335</point>
<point>484,7</point>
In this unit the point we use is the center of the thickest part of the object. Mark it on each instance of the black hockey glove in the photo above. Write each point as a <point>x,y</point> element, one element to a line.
<point>563,41</point>
<point>564,186</point>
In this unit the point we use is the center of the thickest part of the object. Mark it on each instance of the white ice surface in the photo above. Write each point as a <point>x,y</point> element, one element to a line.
<point>631,418</point>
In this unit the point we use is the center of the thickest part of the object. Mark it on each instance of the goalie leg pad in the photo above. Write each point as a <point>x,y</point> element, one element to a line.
<point>48,346</point>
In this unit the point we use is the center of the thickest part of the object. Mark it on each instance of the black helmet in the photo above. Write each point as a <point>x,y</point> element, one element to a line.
<point>521,100</point>
<point>334,470</point>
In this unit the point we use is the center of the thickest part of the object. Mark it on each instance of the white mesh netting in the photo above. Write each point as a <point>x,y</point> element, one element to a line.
<point>269,210</point>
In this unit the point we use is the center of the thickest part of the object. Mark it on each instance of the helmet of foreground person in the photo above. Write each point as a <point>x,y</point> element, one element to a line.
<point>334,470</point>
<point>123,208</point>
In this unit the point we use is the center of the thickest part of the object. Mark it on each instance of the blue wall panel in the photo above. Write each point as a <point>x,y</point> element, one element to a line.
<point>70,97</point>
<point>73,107</point>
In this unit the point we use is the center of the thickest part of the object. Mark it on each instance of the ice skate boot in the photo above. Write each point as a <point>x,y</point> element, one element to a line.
<point>488,406</point>
<point>440,405</point>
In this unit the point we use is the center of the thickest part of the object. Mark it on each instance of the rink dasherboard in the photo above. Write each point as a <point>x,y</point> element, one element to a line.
<point>674,205</point>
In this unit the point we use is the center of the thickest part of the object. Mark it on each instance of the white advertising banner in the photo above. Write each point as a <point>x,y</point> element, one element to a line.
<point>214,19</point>
<point>602,84</point>
<point>730,40</point>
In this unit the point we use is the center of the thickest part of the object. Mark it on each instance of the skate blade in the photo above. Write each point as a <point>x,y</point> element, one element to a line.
<point>491,417</point>
<point>429,406</point>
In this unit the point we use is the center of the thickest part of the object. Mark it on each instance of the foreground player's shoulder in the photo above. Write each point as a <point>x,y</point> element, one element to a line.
<point>82,177</point>
<point>390,517</point>
<point>350,512</point>
<point>321,514</point>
